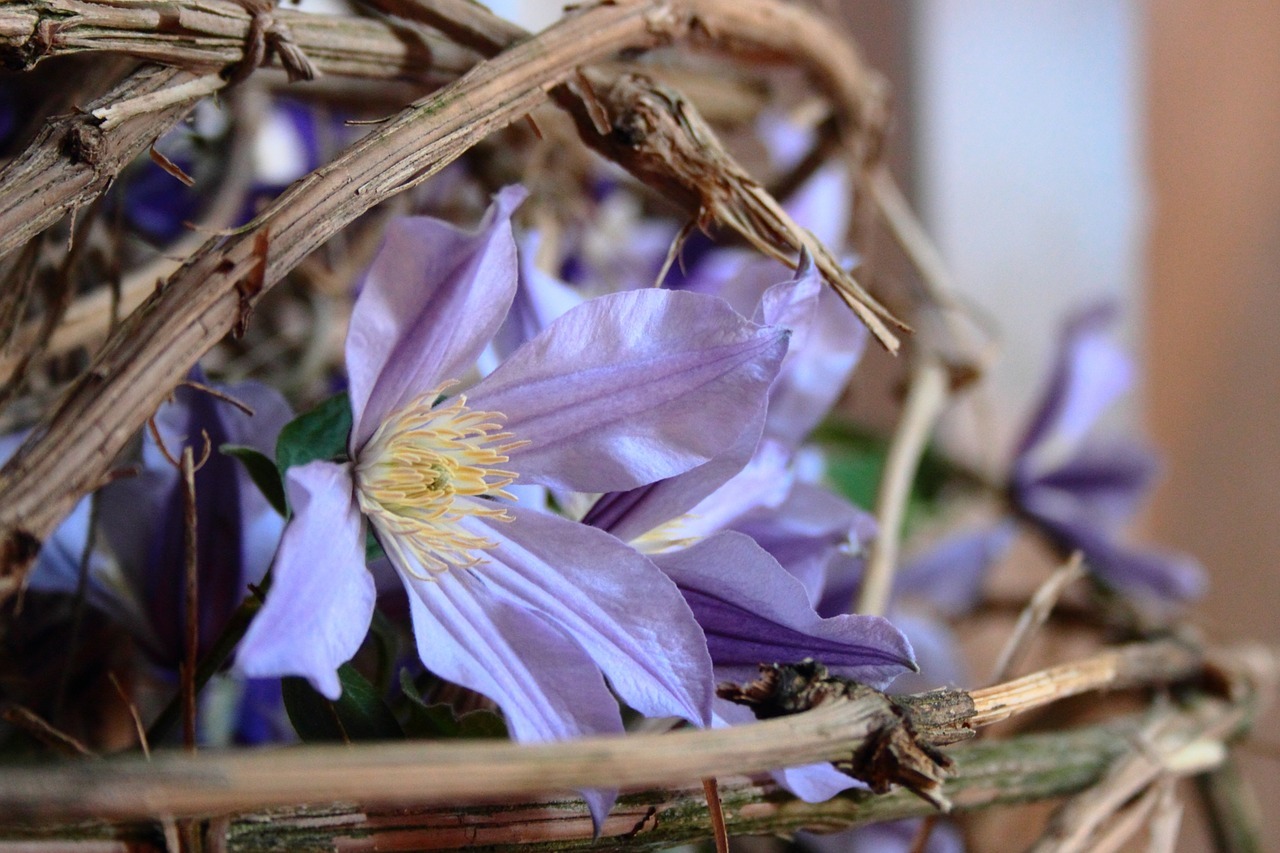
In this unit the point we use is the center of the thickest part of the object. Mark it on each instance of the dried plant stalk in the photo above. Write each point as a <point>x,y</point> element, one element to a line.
<point>210,35</point>
<point>73,161</point>
<point>423,772</point>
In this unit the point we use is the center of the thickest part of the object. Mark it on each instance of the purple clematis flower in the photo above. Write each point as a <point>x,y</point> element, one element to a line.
<point>527,608</point>
<point>694,527</point>
<point>1081,491</point>
<point>237,530</point>
<point>895,836</point>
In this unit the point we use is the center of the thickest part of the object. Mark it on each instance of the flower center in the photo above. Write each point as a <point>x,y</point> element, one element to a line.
<point>425,470</point>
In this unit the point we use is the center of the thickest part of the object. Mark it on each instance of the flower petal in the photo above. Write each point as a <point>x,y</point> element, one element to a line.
<point>433,298</point>
<point>539,300</point>
<point>753,612</point>
<point>631,388</point>
<point>1091,372</point>
<point>547,687</point>
<point>816,370</point>
<point>1107,483</point>
<point>807,531</point>
<point>702,500</point>
<point>611,600</point>
<point>1165,575</point>
<point>321,600</point>
<point>950,574</point>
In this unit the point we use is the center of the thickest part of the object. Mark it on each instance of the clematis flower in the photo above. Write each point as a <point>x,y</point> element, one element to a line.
<point>695,525</point>
<point>57,567</point>
<point>530,609</point>
<point>1081,490</point>
<point>237,530</point>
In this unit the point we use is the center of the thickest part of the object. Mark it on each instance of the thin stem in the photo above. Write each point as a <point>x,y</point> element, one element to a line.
<point>187,476</point>
<point>926,399</point>
<point>423,773</point>
<point>213,661</point>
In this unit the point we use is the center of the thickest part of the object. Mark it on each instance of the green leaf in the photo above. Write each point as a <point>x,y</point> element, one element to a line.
<point>856,461</point>
<point>318,434</point>
<point>262,471</point>
<point>434,722</point>
<point>359,714</point>
<point>372,547</point>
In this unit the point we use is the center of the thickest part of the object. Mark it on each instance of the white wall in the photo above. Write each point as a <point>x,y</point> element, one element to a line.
<point>1028,150</point>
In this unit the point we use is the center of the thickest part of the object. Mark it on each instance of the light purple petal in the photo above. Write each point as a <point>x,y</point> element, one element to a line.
<point>823,205</point>
<point>433,298</point>
<point>753,612</point>
<point>807,531</point>
<point>321,600</point>
<point>1091,372</point>
<point>611,600</point>
<point>816,371</point>
<point>545,683</point>
<point>712,494</point>
<point>540,299</point>
<point>949,575</point>
<point>631,388</point>
<point>261,429</point>
<point>1165,575</point>
<point>1108,482</point>
<point>547,687</point>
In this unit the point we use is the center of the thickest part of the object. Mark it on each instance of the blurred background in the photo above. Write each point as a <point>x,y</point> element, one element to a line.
<point>1068,149</point>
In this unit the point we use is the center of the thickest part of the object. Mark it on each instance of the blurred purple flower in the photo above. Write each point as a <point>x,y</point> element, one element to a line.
<point>237,530</point>
<point>522,606</point>
<point>1081,491</point>
<point>895,836</point>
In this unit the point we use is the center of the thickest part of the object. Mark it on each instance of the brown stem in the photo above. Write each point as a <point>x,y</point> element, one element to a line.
<point>204,36</point>
<point>422,773</point>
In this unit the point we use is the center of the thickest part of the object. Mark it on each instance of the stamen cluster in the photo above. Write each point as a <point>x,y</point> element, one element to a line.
<point>426,469</point>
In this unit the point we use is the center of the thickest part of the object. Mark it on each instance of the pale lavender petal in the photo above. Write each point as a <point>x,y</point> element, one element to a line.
<point>704,500</point>
<point>823,205</point>
<point>753,612</point>
<point>1161,574</point>
<point>611,600</point>
<point>433,298</point>
<point>1091,372</point>
<point>57,568</point>
<point>321,600</point>
<point>949,575</point>
<point>261,429</point>
<point>539,300</point>
<point>807,531</point>
<point>631,388</point>
<point>1108,482</point>
<point>816,371</point>
<point>546,685</point>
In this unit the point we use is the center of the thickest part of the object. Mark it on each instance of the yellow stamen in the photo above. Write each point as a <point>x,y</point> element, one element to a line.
<point>425,470</point>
